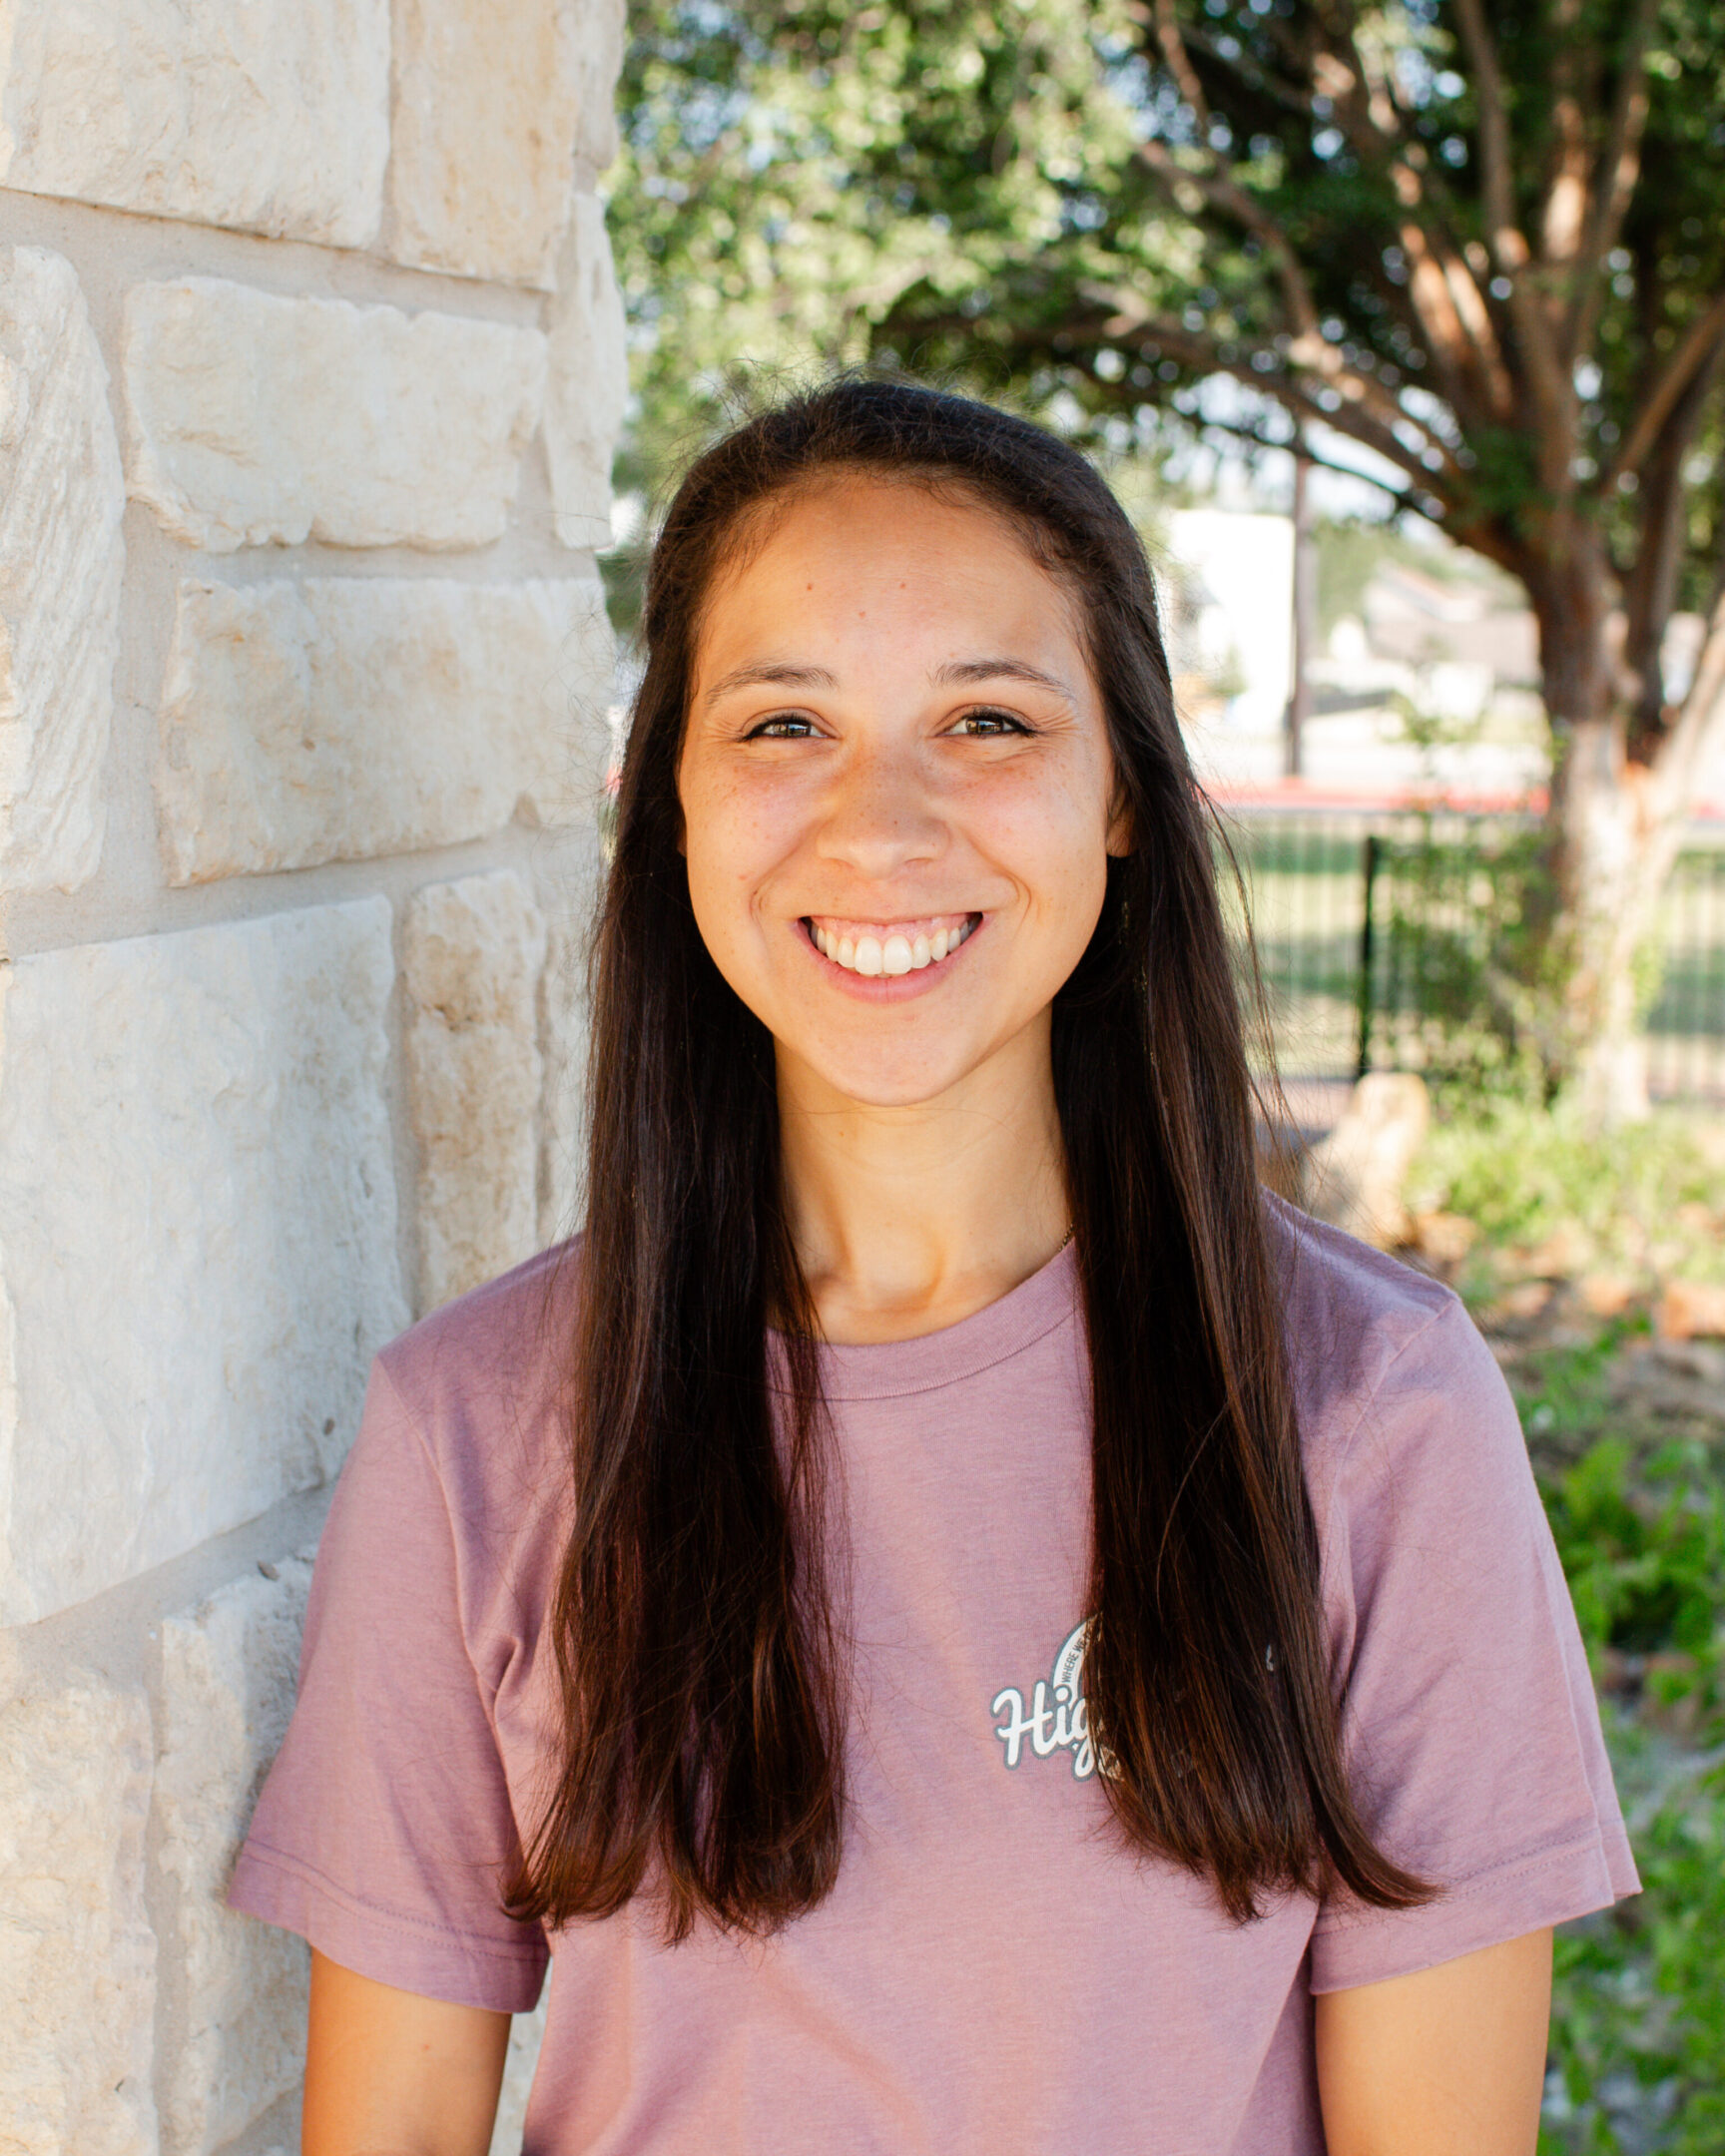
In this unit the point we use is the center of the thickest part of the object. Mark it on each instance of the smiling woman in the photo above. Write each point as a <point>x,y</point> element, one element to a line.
<point>953,1621</point>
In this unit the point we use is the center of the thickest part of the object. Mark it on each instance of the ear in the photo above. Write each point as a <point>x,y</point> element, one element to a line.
<point>1121,840</point>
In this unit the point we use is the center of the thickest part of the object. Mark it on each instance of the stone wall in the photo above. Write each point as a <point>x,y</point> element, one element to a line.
<point>310,366</point>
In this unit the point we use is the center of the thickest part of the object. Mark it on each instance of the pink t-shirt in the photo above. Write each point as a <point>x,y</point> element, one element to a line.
<point>992,1973</point>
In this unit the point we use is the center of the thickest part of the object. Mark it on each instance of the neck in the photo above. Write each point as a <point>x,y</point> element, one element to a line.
<point>908,1219</point>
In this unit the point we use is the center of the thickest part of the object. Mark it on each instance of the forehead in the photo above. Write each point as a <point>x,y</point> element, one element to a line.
<point>858,561</point>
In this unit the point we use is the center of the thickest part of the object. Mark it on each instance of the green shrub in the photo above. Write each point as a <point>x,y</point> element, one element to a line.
<point>1638,2006</point>
<point>1645,1200</point>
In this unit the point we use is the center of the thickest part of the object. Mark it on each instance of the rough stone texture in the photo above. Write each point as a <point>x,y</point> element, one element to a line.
<point>563,1018</point>
<point>1354,1177</point>
<point>474,952</point>
<point>526,2034</point>
<point>269,114</point>
<point>77,1957</point>
<point>255,419</point>
<point>227,1678</point>
<point>337,719</point>
<point>61,558</point>
<point>598,41</point>
<point>487,109</point>
<point>198,1230</point>
<point>588,383</point>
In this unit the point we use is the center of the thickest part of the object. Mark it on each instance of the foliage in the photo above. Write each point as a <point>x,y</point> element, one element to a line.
<point>1644,1203</point>
<point>1638,2020</point>
<point>1466,988</point>
<point>1486,246</point>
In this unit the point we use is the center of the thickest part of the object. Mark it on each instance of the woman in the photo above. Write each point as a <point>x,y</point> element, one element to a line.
<point>960,1624</point>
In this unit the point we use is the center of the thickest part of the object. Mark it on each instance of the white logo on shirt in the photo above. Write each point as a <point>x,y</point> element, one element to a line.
<point>1059,1717</point>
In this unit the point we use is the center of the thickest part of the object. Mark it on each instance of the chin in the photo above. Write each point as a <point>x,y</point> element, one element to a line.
<point>893,1081</point>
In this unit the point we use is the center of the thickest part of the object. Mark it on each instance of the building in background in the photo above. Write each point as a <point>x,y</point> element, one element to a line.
<point>1427,680</point>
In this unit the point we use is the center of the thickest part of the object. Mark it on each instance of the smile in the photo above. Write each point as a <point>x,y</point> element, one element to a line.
<point>872,947</point>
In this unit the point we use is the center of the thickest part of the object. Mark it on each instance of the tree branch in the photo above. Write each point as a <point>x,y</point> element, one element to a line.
<point>1227,194</point>
<point>1443,298</point>
<point>1615,176</point>
<point>1179,63</point>
<point>1705,332</point>
<point>1553,393</point>
<point>1310,351</point>
<point>1205,355</point>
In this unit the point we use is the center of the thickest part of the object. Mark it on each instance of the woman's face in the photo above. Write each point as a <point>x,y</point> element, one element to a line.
<point>897,790</point>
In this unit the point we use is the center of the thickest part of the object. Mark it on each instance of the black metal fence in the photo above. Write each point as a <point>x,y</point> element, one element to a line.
<point>1389,940</point>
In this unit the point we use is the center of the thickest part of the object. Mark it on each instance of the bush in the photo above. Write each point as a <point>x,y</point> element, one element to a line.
<point>1637,2059</point>
<point>1644,1202</point>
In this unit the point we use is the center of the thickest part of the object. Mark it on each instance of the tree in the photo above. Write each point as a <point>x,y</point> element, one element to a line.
<point>1487,247</point>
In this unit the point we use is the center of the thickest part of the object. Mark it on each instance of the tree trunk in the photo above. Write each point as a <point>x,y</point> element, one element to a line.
<point>1616,834</point>
<point>1615,826</point>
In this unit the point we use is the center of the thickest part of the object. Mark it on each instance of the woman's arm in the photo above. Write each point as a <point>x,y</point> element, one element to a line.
<point>388,2073</point>
<point>1448,2062</point>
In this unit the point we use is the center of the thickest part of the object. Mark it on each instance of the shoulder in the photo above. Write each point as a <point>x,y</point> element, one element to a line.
<point>505,1340</point>
<point>481,1387</point>
<point>1387,1363</point>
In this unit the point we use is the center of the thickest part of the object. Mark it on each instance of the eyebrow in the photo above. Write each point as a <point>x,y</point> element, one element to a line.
<point>956,670</point>
<point>787,674</point>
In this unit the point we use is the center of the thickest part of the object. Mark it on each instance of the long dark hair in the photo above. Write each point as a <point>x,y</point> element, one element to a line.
<point>702,1669</point>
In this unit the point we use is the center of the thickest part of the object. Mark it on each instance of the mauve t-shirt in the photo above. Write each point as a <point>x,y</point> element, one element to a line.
<point>993,1970</point>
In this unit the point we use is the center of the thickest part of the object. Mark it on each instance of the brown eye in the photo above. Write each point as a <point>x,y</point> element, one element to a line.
<point>787,726</point>
<point>990,724</point>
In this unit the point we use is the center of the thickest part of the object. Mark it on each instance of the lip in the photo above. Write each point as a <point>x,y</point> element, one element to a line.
<point>891,988</point>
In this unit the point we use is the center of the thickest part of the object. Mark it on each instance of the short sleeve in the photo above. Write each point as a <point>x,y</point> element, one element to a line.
<point>1469,1720</point>
<point>384,1832</point>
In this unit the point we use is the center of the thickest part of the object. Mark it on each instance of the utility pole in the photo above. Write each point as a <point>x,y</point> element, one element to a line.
<point>1305,627</point>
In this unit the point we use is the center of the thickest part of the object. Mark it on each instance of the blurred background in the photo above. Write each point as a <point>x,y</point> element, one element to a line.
<point>1400,332</point>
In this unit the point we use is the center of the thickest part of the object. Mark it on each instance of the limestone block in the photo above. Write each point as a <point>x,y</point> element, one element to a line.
<point>567,901</point>
<point>472,956</point>
<point>255,419</point>
<point>598,41</point>
<point>337,719</point>
<point>61,558</point>
<point>526,2034</point>
<point>487,109</point>
<point>77,1955</point>
<point>269,114</point>
<point>197,1234</point>
<point>228,1677</point>
<point>589,380</point>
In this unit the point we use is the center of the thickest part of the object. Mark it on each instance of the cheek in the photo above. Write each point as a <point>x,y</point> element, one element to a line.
<point>1052,836</point>
<point>732,842</point>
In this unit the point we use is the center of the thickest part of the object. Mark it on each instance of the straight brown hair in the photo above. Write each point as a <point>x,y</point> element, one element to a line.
<point>703,1679</point>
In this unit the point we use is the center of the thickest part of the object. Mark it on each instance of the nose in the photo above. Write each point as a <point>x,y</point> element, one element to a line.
<point>880,813</point>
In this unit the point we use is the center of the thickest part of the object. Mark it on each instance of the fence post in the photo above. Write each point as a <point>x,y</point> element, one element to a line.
<point>1370,855</point>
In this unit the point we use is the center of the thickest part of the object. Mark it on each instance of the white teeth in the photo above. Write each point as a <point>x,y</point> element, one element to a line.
<point>892,954</point>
